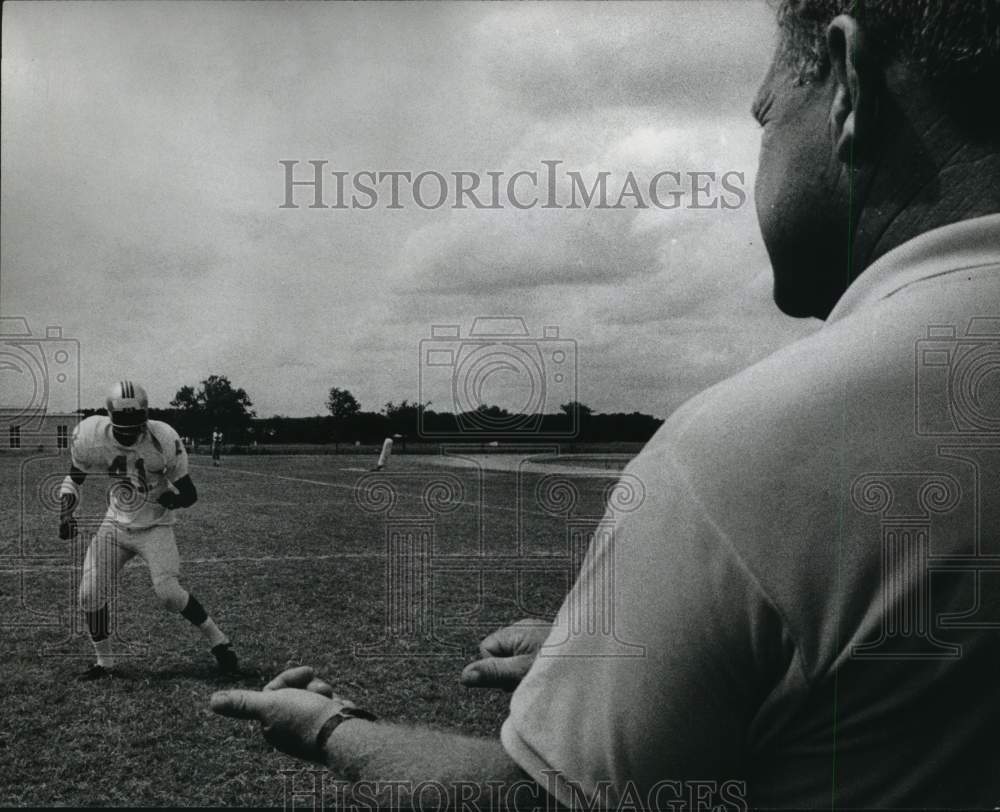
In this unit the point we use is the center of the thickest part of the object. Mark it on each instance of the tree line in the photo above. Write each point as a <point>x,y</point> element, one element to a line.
<point>215,404</point>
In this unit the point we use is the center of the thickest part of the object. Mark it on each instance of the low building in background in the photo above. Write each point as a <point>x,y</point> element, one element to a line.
<point>31,431</point>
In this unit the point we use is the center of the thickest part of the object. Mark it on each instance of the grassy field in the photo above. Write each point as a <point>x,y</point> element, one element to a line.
<point>294,558</point>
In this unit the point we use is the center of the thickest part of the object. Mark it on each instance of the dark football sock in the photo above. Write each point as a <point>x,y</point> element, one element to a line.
<point>99,624</point>
<point>194,611</point>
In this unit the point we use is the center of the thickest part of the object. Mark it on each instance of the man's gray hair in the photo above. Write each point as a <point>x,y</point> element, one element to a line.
<point>943,39</point>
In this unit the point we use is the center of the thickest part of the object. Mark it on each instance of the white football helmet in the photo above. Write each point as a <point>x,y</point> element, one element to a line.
<point>128,405</point>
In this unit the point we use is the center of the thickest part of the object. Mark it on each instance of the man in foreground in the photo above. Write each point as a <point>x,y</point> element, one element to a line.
<point>796,651</point>
<point>148,468</point>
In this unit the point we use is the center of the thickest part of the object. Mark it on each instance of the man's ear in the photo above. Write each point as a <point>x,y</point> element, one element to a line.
<point>855,104</point>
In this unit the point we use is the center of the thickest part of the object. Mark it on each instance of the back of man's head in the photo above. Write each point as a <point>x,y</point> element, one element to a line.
<point>951,46</point>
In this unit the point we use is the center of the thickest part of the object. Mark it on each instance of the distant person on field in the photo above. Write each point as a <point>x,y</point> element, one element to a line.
<point>795,650</point>
<point>216,445</point>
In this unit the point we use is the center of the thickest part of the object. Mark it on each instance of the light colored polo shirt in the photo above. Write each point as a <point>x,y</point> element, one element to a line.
<point>800,605</point>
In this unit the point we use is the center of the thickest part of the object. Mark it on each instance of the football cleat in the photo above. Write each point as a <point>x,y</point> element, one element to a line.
<point>95,672</point>
<point>229,663</point>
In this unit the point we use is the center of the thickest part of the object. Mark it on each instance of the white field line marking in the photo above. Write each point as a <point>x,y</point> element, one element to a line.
<point>138,563</point>
<point>258,502</point>
<point>237,559</point>
<point>342,486</point>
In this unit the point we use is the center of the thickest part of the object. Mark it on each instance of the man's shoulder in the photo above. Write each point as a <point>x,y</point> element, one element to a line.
<point>799,415</point>
<point>162,429</point>
<point>91,444</point>
<point>772,393</point>
<point>163,435</point>
<point>94,422</point>
<point>92,430</point>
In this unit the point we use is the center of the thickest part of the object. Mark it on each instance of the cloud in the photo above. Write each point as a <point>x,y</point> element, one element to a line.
<point>627,55</point>
<point>467,251</point>
<point>141,187</point>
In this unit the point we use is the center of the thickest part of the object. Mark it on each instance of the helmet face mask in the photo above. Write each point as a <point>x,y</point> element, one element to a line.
<point>128,408</point>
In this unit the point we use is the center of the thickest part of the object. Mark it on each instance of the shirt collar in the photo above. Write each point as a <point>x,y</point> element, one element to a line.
<point>961,246</point>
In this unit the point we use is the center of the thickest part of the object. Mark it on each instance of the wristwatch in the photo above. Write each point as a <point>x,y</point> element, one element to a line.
<point>331,724</point>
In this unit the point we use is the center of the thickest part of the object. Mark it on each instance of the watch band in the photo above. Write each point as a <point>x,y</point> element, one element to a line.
<point>331,724</point>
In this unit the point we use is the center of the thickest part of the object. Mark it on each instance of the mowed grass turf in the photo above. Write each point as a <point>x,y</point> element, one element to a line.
<point>292,556</point>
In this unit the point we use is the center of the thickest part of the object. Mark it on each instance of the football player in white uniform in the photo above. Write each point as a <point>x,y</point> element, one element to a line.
<point>148,466</point>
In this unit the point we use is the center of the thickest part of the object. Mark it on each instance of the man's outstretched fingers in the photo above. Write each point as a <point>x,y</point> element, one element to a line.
<point>497,672</point>
<point>318,686</point>
<point>523,637</point>
<point>240,704</point>
<point>298,677</point>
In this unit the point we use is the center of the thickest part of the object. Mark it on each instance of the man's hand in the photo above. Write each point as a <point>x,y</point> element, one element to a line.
<point>305,678</point>
<point>291,709</point>
<point>506,655</point>
<point>168,499</point>
<point>67,527</point>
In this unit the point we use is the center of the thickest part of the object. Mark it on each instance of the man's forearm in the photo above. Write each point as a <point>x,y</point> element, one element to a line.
<point>69,493</point>
<point>400,766</point>
<point>67,505</point>
<point>185,496</point>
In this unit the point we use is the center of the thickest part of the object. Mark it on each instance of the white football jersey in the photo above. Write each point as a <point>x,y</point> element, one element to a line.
<point>139,473</point>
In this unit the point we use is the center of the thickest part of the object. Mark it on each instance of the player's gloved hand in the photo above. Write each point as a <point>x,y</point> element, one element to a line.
<point>290,718</point>
<point>168,499</point>
<point>506,655</point>
<point>67,527</point>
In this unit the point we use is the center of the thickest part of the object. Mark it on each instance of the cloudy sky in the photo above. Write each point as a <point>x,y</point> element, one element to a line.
<point>142,195</point>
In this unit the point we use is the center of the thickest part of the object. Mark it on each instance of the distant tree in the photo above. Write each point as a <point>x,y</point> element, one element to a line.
<point>342,404</point>
<point>574,407</point>
<point>577,417</point>
<point>185,399</point>
<point>215,403</point>
<point>404,417</point>
<point>344,408</point>
<point>488,414</point>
